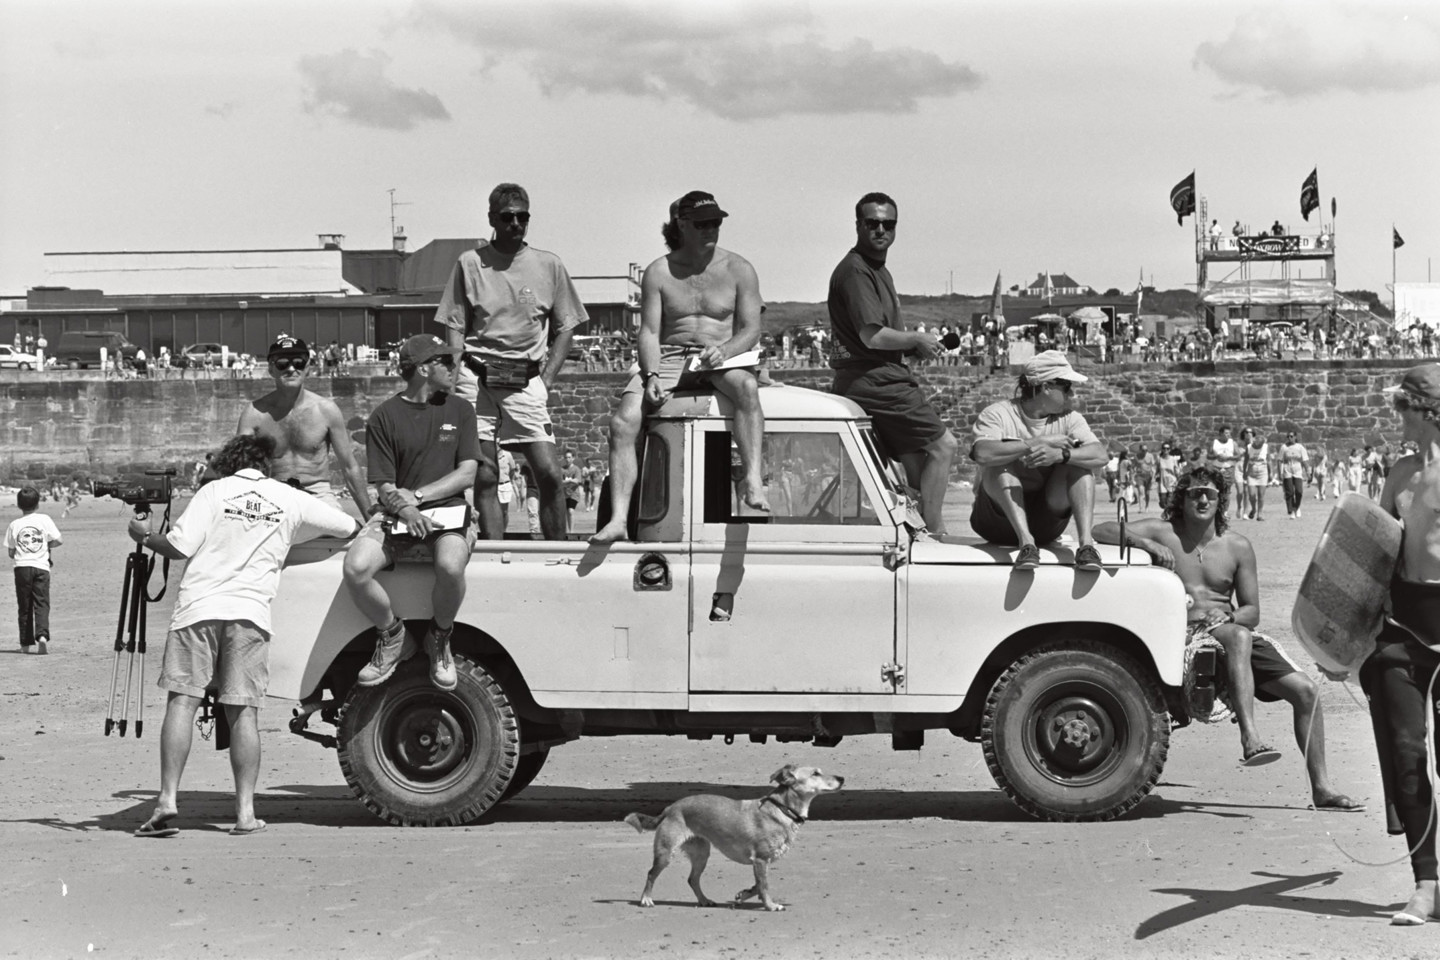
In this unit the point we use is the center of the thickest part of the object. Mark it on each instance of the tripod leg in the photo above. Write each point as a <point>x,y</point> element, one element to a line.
<point>119,644</point>
<point>137,586</point>
<point>140,693</point>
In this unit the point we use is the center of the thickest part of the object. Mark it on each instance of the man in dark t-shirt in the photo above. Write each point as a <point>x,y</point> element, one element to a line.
<point>870,345</point>
<point>422,451</point>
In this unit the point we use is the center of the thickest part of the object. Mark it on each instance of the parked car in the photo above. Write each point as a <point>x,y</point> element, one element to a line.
<point>81,348</point>
<point>194,355</point>
<point>12,359</point>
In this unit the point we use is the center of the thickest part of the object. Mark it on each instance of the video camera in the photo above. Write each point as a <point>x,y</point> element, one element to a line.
<point>154,487</point>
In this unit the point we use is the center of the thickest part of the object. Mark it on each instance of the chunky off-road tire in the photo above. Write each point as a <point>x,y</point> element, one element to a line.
<point>1076,731</point>
<point>527,768</point>
<point>419,756</point>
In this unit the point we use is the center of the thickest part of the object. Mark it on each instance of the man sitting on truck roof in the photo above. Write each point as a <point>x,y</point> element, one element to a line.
<point>1037,458</point>
<point>422,450</point>
<point>1217,566</point>
<point>701,303</point>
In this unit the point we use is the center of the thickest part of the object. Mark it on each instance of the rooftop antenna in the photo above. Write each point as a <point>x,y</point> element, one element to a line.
<point>393,204</point>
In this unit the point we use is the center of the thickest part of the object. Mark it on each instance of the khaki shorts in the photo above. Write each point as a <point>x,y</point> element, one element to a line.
<point>512,418</point>
<point>231,657</point>
<point>672,364</point>
<point>409,548</point>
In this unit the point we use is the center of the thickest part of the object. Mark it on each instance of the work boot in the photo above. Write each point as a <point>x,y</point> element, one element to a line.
<point>394,646</point>
<point>442,664</point>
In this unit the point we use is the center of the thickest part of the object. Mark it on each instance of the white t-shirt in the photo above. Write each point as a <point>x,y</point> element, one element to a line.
<point>30,537</point>
<point>1004,420</point>
<point>237,532</point>
<point>1222,449</point>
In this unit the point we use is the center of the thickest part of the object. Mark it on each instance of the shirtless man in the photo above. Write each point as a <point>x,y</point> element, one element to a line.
<point>1192,539</point>
<point>698,300</point>
<point>1399,676</point>
<point>306,428</point>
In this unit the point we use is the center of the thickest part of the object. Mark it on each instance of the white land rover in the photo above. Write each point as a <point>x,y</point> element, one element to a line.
<point>834,615</point>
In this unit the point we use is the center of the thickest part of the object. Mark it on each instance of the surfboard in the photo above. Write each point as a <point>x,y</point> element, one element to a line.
<point>1342,596</point>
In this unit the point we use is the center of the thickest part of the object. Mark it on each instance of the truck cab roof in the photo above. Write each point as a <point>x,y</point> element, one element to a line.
<point>777,401</point>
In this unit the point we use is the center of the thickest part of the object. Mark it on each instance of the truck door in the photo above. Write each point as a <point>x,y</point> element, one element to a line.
<point>801,600</point>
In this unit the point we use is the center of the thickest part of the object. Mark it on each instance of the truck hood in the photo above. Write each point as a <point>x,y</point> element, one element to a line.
<point>973,550</point>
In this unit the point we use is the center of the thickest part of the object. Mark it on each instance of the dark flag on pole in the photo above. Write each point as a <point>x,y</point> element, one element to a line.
<point>1399,241</point>
<point>1182,198</point>
<point>1332,208</point>
<point>1310,194</point>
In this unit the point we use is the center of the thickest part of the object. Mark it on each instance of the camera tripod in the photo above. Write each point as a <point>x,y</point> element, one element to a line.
<point>130,634</point>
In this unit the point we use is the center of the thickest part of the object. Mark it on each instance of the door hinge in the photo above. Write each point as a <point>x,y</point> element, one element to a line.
<point>893,674</point>
<point>894,556</point>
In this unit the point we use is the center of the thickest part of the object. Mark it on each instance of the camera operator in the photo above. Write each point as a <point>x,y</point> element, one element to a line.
<point>236,534</point>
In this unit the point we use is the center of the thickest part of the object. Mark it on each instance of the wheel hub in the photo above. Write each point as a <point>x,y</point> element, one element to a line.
<point>1075,737</point>
<point>427,741</point>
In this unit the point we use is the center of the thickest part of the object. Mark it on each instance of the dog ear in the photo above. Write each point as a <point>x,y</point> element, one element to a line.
<point>785,775</point>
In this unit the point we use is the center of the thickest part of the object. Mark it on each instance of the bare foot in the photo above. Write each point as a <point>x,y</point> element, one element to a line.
<point>612,532</point>
<point>1420,908</point>
<point>754,498</point>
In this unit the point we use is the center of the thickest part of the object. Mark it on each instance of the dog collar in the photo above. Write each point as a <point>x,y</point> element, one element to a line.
<point>786,810</point>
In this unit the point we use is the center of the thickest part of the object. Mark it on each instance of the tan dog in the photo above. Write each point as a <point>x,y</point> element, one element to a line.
<point>746,831</point>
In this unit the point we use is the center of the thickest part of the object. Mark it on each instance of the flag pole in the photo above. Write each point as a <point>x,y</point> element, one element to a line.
<point>1393,248</point>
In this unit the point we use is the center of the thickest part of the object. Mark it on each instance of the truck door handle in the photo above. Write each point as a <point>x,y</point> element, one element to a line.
<point>652,572</point>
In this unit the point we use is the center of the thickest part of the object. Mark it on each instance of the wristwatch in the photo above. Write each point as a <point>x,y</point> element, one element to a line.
<point>645,377</point>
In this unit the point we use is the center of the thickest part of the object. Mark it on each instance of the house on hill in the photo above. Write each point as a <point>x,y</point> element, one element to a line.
<point>1053,285</point>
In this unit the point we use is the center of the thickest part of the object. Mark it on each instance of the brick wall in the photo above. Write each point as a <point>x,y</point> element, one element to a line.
<point>79,423</point>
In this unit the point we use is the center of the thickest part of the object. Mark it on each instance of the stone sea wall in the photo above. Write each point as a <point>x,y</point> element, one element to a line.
<point>77,423</point>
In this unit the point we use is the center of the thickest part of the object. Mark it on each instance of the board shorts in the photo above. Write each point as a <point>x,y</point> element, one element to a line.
<point>1268,660</point>
<point>231,657</point>
<point>988,522</point>
<point>511,418</point>
<point>319,489</point>
<point>905,421</point>
<point>673,359</point>
<point>376,530</point>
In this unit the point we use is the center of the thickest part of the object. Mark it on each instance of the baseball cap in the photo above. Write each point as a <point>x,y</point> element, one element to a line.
<point>287,346</point>
<point>1420,384</point>
<point>698,205</point>
<point>424,346</point>
<point>1050,365</point>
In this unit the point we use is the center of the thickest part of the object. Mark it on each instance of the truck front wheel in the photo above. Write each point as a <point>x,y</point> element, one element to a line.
<point>1076,731</point>
<point>420,756</point>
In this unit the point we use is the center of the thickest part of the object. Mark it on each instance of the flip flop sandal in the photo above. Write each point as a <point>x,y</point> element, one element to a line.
<point>1259,758</point>
<point>157,827</point>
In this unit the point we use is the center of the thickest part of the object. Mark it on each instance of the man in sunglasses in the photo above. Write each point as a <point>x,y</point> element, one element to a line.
<point>503,304</point>
<point>699,301</point>
<point>1037,459</point>
<point>422,448</point>
<point>868,355</point>
<point>1217,566</point>
<point>1399,677</point>
<point>306,428</point>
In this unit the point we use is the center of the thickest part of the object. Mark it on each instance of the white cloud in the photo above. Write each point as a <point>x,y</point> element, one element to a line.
<point>354,87</point>
<point>1306,49</point>
<point>724,59</point>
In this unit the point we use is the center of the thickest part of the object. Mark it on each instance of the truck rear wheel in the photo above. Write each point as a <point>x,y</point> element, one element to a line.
<point>419,756</point>
<point>1076,731</point>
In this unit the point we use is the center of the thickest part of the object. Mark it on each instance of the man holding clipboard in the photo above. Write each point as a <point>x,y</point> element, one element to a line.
<point>699,321</point>
<point>422,450</point>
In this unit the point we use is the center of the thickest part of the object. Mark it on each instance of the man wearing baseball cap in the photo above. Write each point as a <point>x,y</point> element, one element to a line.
<point>306,429</point>
<point>421,450</point>
<point>504,302</point>
<point>1399,677</point>
<point>1037,458</point>
<point>698,302</point>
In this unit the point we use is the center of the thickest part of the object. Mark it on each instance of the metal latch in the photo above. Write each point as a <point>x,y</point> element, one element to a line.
<point>893,674</point>
<point>894,556</point>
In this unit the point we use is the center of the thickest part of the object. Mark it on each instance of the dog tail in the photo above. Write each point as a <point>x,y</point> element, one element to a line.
<point>642,821</point>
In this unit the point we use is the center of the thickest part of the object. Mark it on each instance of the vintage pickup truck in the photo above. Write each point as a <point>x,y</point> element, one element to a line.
<point>834,615</point>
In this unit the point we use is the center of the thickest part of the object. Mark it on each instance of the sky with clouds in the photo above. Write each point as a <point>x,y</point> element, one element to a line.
<point>1016,136</point>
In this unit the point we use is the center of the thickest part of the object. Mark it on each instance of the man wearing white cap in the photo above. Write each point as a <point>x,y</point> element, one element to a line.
<point>1037,458</point>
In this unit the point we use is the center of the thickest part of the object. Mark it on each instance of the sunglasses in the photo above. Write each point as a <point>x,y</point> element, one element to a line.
<point>872,224</point>
<point>706,224</point>
<point>505,216</point>
<point>444,359</point>
<point>1402,402</point>
<point>1202,493</point>
<point>285,364</point>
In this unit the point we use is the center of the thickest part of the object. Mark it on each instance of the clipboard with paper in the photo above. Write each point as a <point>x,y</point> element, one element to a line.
<point>697,377</point>
<point>456,517</point>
